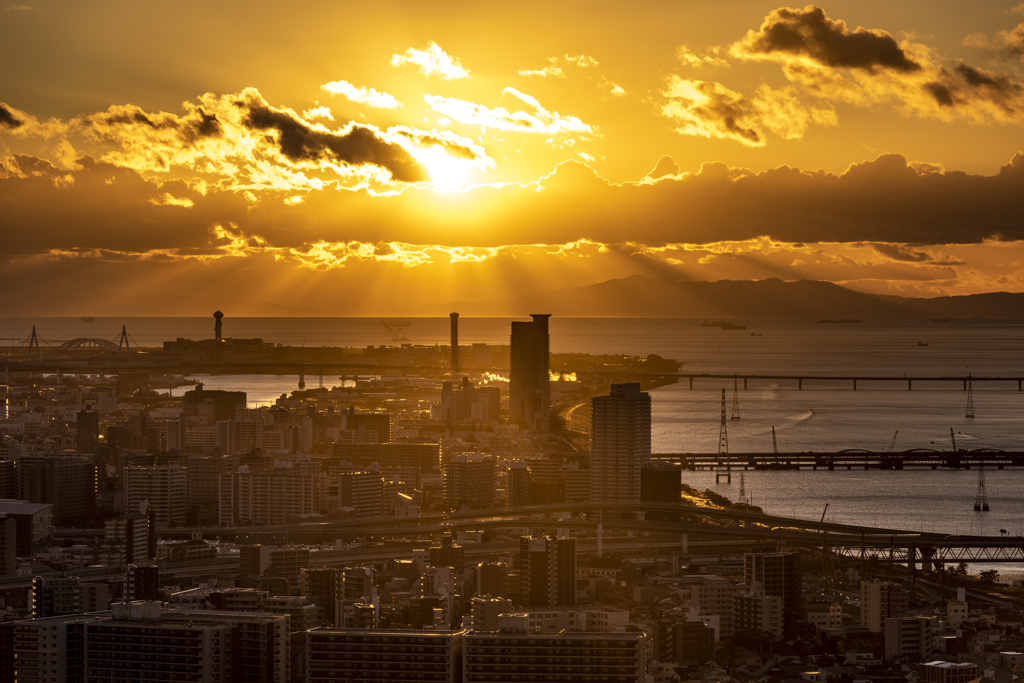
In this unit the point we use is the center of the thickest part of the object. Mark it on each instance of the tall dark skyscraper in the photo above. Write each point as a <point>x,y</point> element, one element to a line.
<point>455,342</point>
<point>529,381</point>
<point>547,568</point>
<point>621,444</point>
<point>88,430</point>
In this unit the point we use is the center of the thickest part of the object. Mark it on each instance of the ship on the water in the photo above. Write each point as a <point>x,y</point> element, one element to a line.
<point>838,321</point>
<point>723,325</point>
<point>88,319</point>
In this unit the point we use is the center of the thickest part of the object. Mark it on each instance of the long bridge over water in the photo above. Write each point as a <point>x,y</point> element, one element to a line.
<point>849,459</point>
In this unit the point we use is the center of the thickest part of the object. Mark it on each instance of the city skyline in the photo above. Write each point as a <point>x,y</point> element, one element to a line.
<point>435,158</point>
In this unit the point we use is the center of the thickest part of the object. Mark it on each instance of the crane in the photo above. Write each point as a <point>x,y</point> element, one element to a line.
<point>397,335</point>
<point>893,444</point>
<point>953,437</point>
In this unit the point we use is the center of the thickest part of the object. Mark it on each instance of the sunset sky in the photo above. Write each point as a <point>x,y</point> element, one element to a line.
<point>330,158</point>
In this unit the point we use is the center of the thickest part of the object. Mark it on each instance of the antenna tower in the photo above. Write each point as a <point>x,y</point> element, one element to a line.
<point>723,448</point>
<point>735,398</point>
<point>743,490</point>
<point>981,501</point>
<point>970,398</point>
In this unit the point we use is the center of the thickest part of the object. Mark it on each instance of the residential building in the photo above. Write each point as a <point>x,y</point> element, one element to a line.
<point>163,488</point>
<point>529,374</point>
<point>620,443</point>
<point>547,568</point>
<point>470,480</point>
<point>343,655</point>
<point>779,574</point>
<point>879,601</point>
<point>947,672</point>
<point>909,637</point>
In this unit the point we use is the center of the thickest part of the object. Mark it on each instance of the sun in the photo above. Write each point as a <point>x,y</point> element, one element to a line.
<point>445,170</point>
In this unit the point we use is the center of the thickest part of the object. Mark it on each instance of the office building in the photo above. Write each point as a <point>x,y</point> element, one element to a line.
<point>513,654</point>
<point>779,574</point>
<point>345,655</point>
<point>880,601</point>
<point>467,403</point>
<point>470,480</point>
<point>87,430</point>
<point>620,443</point>
<point>693,642</point>
<point>378,423</point>
<point>529,374</point>
<point>485,611</point>
<point>547,568</point>
<point>714,596</point>
<point>163,489</point>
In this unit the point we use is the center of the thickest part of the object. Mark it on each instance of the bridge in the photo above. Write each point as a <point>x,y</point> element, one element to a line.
<point>851,458</point>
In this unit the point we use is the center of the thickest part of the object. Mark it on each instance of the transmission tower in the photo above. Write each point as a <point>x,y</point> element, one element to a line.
<point>743,491</point>
<point>981,501</point>
<point>735,398</point>
<point>321,378</point>
<point>723,448</point>
<point>970,398</point>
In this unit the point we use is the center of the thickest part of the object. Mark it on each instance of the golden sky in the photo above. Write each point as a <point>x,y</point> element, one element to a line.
<point>343,159</point>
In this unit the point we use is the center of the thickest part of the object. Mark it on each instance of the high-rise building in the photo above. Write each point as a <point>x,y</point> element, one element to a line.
<point>448,554</point>
<point>470,480</point>
<point>8,545</point>
<point>519,491</point>
<point>547,571</point>
<point>491,579</point>
<point>370,422</point>
<point>68,483</point>
<point>910,637</point>
<point>165,490</point>
<point>141,582</point>
<point>88,430</point>
<point>620,443</point>
<point>323,587</point>
<point>486,610</point>
<point>529,373</point>
<point>363,491</point>
<point>255,561</point>
<point>272,496</point>
<point>455,342</point>
<point>755,611</point>
<point>879,601</point>
<point>132,532</point>
<point>779,574</point>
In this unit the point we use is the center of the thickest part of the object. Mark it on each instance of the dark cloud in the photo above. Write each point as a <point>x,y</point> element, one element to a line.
<point>196,125</point>
<point>358,145</point>
<point>810,34</point>
<point>906,254</point>
<point>8,119</point>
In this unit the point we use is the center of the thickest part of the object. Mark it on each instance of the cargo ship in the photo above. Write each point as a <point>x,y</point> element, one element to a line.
<point>838,321</point>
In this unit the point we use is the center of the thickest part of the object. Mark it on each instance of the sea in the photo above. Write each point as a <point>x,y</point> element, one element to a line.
<point>822,416</point>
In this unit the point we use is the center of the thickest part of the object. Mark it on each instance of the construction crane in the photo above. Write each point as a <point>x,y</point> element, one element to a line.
<point>893,444</point>
<point>397,335</point>
<point>953,437</point>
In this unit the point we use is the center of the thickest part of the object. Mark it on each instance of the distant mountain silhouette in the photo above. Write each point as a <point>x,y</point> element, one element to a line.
<point>640,296</point>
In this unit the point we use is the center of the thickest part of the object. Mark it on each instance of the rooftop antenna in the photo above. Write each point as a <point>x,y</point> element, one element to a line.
<point>735,398</point>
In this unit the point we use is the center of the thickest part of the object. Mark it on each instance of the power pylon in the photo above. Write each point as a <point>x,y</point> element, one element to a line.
<point>981,501</point>
<point>723,448</point>
<point>735,398</point>
<point>970,398</point>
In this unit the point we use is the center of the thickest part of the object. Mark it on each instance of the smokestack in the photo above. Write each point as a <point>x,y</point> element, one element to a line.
<point>216,325</point>
<point>455,342</point>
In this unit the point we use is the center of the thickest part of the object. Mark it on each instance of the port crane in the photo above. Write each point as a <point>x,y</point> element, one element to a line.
<point>397,335</point>
<point>893,444</point>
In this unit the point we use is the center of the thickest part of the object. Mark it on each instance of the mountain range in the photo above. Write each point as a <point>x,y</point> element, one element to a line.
<point>641,296</point>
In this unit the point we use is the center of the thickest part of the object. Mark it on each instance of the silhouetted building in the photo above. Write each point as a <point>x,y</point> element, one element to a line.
<point>492,579</point>
<point>141,582</point>
<point>164,490</point>
<point>448,554</point>
<point>68,483</point>
<point>344,655</point>
<point>225,403</point>
<point>88,430</point>
<point>547,568</point>
<point>376,422</point>
<point>470,480</point>
<point>519,491</point>
<point>131,532</point>
<point>780,575</point>
<point>54,596</point>
<point>8,545</point>
<point>363,492</point>
<point>468,403</point>
<point>323,587</point>
<point>529,373</point>
<point>455,342</point>
<point>620,443</point>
